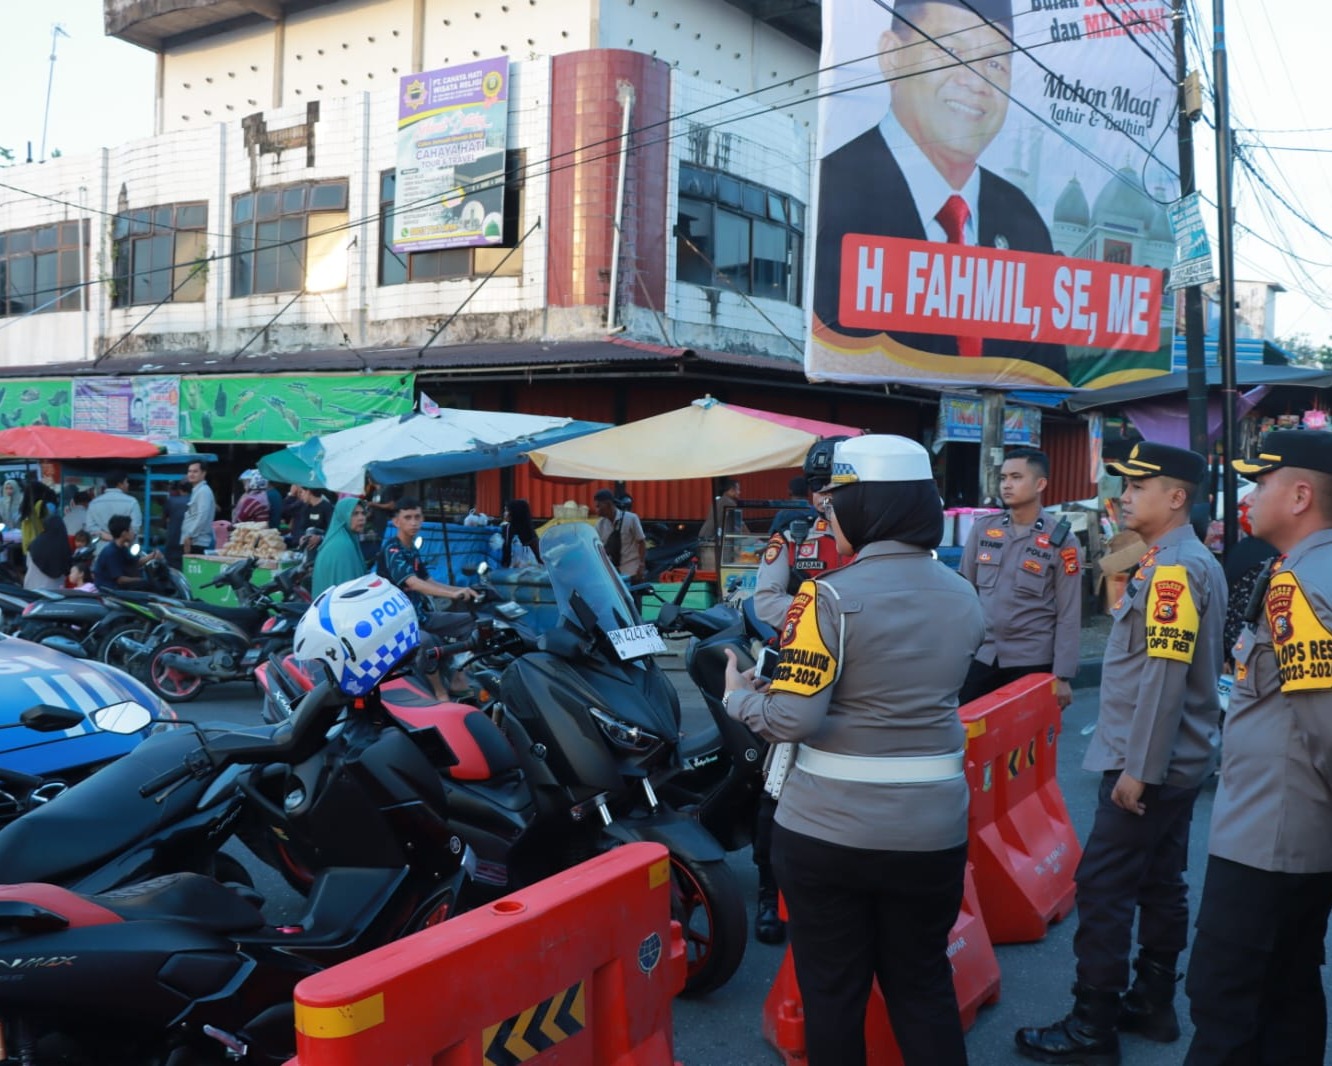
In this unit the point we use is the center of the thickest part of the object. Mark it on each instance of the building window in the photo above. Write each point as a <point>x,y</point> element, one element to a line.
<point>41,269</point>
<point>398,268</point>
<point>733,234</point>
<point>159,254</point>
<point>1118,252</point>
<point>290,239</point>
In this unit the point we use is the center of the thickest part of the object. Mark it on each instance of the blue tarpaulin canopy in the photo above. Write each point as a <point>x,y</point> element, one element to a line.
<point>438,442</point>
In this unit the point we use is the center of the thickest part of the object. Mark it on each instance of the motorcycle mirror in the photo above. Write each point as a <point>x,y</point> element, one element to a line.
<point>46,718</point>
<point>123,718</point>
<point>667,615</point>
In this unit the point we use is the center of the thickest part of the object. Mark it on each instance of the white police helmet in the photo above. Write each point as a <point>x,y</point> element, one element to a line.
<point>879,457</point>
<point>360,630</point>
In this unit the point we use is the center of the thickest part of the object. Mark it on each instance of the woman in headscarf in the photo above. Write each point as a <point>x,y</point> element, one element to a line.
<point>11,500</point>
<point>340,558</point>
<point>870,841</point>
<point>518,536</point>
<point>253,506</point>
<point>49,556</point>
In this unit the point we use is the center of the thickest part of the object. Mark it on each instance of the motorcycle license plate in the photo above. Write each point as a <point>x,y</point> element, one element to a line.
<point>632,642</point>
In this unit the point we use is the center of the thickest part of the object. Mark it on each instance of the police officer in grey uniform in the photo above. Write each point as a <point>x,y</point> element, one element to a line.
<point>1027,568</point>
<point>1255,992</point>
<point>871,838</point>
<point>795,554</point>
<point>1155,743</point>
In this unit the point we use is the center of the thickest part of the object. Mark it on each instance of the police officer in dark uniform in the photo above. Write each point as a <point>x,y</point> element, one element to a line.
<point>870,845</point>
<point>1154,746</point>
<point>1027,568</point>
<point>799,552</point>
<point>1255,991</point>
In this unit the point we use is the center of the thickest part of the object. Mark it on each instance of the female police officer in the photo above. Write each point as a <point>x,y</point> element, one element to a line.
<point>870,846</point>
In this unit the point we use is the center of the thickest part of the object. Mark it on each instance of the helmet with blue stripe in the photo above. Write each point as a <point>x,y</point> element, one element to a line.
<point>360,630</point>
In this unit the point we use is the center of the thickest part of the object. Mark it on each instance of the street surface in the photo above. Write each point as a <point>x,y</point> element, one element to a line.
<point>724,1029</point>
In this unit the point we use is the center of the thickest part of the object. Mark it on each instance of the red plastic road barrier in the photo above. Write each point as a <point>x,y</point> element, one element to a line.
<point>579,968</point>
<point>975,978</point>
<point>1021,839</point>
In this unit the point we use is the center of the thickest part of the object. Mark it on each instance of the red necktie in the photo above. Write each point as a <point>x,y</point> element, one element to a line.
<point>953,218</point>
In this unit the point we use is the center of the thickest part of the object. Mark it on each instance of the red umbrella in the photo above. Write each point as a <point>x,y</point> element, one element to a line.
<point>52,442</point>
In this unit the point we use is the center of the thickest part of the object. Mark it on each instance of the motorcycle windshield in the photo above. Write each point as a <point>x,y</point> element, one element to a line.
<point>580,571</point>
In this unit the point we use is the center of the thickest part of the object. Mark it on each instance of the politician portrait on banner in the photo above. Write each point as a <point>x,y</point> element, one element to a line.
<point>991,196</point>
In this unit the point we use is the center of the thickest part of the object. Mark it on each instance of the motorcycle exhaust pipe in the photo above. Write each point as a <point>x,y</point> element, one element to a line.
<point>186,664</point>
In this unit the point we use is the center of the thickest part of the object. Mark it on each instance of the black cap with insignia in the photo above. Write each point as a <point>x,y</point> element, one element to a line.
<point>1303,448</point>
<point>1146,459</point>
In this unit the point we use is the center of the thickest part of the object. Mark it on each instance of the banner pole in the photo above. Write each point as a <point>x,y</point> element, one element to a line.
<point>1226,341</point>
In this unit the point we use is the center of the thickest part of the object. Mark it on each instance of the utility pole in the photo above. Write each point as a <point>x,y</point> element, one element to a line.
<point>992,445</point>
<point>1225,348</point>
<point>57,31</point>
<point>1194,329</point>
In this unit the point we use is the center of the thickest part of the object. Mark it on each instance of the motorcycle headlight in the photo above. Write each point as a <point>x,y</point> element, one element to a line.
<point>622,734</point>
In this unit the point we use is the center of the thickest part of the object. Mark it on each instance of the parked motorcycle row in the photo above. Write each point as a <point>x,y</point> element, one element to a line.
<point>385,808</point>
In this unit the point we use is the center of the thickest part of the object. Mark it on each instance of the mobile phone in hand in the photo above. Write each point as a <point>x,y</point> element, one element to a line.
<point>767,663</point>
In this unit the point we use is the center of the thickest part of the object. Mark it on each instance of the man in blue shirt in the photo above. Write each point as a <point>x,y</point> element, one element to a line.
<point>116,567</point>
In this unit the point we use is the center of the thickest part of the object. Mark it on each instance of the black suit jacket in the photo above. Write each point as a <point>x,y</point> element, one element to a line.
<point>862,190</point>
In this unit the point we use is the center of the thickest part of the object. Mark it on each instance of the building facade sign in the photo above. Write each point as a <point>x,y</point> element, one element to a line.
<point>452,128</point>
<point>1015,231</point>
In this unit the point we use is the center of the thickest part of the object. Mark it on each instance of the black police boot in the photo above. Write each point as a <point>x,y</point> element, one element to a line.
<point>768,925</point>
<point>1148,1008</point>
<point>1086,1036</point>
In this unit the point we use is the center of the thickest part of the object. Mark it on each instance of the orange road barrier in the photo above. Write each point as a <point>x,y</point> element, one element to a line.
<point>975,979</point>
<point>1021,838</point>
<point>579,968</point>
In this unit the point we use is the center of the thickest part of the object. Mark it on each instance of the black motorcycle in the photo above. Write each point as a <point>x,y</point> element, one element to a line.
<point>562,761</point>
<point>181,969</point>
<point>84,624</point>
<point>196,644</point>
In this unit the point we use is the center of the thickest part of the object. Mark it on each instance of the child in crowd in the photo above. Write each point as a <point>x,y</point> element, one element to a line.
<point>80,580</point>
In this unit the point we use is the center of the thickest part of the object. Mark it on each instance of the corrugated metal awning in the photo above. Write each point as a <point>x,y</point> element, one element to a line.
<point>464,357</point>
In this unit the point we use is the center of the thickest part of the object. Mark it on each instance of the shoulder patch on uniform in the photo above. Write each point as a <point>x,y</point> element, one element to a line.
<point>773,550</point>
<point>1070,557</point>
<point>807,665</point>
<point>1303,644</point>
<point>1172,615</point>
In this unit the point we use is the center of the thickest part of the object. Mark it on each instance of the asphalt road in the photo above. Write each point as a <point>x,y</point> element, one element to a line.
<point>724,1029</point>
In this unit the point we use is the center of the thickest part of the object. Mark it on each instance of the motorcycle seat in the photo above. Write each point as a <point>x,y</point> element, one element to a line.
<point>186,897</point>
<point>483,751</point>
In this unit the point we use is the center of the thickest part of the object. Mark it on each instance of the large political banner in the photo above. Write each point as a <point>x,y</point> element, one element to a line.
<point>992,192</point>
<point>452,128</point>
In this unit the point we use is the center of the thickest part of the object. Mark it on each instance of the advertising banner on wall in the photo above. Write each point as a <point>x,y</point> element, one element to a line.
<point>991,193</point>
<point>147,406</point>
<point>452,129</point>
<point>34,402</point>
<point>960,420</point>
<point>286,410</point>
